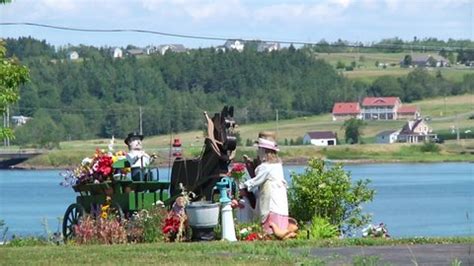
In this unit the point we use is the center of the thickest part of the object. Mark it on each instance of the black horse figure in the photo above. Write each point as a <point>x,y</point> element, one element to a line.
<point>200,175</point>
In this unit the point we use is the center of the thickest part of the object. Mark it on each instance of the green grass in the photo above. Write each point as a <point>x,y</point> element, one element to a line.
<point>366,70</point>
<point>198,253</point>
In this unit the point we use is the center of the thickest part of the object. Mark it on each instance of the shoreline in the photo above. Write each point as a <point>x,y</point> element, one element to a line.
<point>300,161</point>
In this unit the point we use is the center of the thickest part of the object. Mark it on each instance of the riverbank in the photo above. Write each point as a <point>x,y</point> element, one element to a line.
<point>451,151</point>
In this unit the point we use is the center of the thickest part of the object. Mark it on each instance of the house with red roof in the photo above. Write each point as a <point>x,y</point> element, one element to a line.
<point>380,108</point>
<point>342,111</point>
<point>408,112</point>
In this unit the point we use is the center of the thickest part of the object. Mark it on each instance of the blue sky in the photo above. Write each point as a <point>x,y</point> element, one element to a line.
<point>307,21</point>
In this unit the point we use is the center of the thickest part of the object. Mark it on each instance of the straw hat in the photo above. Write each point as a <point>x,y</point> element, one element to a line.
<point>267,144</point>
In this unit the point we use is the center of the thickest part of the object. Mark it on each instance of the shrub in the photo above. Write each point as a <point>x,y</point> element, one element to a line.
<point>101,231</point>
<point>430,147</point>
<point>320,228</point>
<point>329,194</point>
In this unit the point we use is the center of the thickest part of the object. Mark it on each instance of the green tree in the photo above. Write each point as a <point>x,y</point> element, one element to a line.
<point>353,130</point>
<point>329,193</point>
<point>12,75</point>
<point>407,60</point>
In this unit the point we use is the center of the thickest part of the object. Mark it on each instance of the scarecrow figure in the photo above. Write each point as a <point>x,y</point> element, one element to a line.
<point>139,160</point>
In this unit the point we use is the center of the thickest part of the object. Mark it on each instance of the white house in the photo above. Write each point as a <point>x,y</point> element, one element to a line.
<point>234,45</point>
<point>117,53</point>
<point>177,48</point>
<point>320,138</point>
<point>387,137</point>
<point>73,55</point>
<point>268,47</point>
<point>19,120</point>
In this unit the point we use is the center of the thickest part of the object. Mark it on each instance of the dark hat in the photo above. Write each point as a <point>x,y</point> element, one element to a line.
<point>133,135</point>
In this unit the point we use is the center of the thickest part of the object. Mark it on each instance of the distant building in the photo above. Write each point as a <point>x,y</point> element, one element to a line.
<point>320,138</point>
<point>73,55</point>
<point>176,48</point>
<point>415,131</point>
<point>117,53</point>
<point>408,112</point>
<point>380,108</point>
<point>234,45</point>
<point>267,47</point>
<point>388,137</point>
<point>19,120</point>
<point>342,111</point>
<point>135,52</point>
<point>426,61</point>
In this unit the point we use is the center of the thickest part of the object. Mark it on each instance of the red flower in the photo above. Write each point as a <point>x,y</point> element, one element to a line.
<point>238,171</point>
<point>252,237</point>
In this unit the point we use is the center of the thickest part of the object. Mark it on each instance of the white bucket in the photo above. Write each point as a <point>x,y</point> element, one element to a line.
<point>203,214</point>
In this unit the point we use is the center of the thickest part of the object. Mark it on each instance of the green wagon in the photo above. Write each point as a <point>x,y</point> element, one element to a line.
<point>122,196</point>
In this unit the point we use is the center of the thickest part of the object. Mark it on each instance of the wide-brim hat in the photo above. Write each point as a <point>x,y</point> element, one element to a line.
<point>133,135</point>
<point>266,144</point>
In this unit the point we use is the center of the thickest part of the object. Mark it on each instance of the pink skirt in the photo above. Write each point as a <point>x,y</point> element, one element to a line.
<point>280,220</point>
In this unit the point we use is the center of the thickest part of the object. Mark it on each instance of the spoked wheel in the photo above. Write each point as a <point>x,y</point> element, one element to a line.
<point>71,218</point>
<point>116,211</point>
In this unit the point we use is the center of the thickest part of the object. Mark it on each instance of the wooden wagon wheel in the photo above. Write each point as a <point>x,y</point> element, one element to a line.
<point>71,218</point>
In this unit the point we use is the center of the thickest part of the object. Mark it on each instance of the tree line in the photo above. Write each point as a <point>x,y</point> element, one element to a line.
<point>99,96</point>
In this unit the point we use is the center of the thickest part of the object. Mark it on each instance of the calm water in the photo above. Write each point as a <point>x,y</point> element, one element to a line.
<point>412,199</point>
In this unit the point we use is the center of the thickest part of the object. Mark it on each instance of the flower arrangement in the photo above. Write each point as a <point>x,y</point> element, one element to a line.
<point>96,169</point>
<point>250,232</point>
<point>238,171</point>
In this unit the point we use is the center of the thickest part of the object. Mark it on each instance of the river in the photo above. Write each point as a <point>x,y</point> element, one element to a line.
<point>411,199</point>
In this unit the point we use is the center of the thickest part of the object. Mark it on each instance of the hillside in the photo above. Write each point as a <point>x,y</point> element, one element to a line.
<point>443,113</point>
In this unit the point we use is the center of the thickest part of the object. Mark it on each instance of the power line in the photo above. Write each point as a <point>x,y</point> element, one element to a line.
<point>201,37</point>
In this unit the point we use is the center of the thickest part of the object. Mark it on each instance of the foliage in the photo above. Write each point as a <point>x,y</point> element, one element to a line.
<point>320,228</point>
<point>146,225</point>
<point>238,171</point>
<point>12,75</point>
<point>430,147</point>
<point>100,231</point>
<point>26,242</point>
<point>329,194</point>
<point>249,231</point>
<point>353,130</point>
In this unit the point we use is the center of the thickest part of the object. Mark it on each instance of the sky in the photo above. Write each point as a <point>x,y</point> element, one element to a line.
<point>299,21</point>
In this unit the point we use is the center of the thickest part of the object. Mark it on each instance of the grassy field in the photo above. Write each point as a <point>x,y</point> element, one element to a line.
<point>367,71</point>
<point>292,252</point>
<point>445,113</point>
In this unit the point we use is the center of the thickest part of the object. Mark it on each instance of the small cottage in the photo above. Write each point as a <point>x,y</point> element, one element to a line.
<point>408,112</point>
<point>387,137</point>
<point>320,138</point>
<point>73,55</point>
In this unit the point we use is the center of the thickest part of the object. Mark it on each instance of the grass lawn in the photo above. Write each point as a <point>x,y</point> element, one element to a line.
<point>197,253</point>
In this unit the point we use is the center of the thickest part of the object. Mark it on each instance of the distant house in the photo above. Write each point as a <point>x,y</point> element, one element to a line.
<point>388,137</point>
<point>177,48</point>
<point>380,108</point>
<point>19,120</point>
<point>415,131</point>
<point>267,47</point>
<point>320,138</point>
<point>342,111</point>
<point>117,53</point>
<point>408,112</point>
<point>135,51</point>
<point>427,61</point>
<point>234,45</point>
<point>73,55</point>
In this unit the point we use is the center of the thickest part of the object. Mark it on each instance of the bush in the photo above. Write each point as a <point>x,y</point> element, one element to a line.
<point>329,194</point>
<point>320,228</point>
<point>430,147</point>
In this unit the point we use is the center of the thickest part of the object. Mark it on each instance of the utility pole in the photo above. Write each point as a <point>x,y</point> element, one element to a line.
<point>141,121</point>
<point>457,128</point>
<point>276,116</point>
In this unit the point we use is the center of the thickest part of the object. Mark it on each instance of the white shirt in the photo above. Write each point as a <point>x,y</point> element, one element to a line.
<point>272,196</point>
<point>136,157</point>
